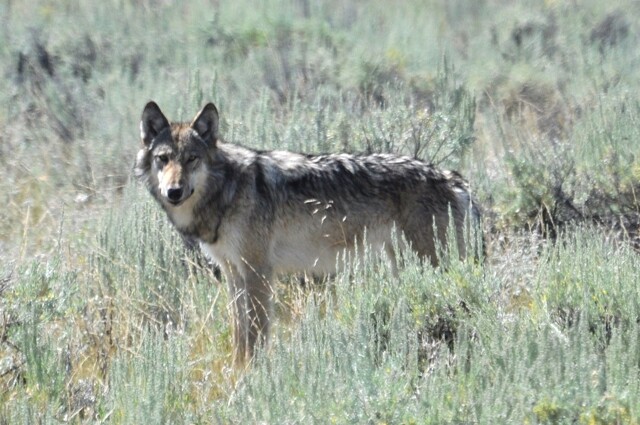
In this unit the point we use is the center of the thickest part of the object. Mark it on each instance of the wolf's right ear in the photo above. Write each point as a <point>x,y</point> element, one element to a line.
<point>206,124</point>
<point>153,122</point>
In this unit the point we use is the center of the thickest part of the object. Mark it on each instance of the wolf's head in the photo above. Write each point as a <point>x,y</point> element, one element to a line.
<point>173,157</point>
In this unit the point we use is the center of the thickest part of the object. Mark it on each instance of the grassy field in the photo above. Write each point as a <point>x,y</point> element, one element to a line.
<point>104,317</point>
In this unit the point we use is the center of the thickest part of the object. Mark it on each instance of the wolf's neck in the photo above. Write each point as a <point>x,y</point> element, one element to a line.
<point>202,223</point>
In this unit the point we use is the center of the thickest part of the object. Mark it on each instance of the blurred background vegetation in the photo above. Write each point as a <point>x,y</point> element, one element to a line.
<point>105,317</point>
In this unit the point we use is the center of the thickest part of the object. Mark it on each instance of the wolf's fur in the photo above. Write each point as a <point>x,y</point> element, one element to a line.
<point>258,213</point>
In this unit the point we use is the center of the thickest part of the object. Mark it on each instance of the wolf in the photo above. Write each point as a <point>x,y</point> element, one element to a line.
<point>260,213</point>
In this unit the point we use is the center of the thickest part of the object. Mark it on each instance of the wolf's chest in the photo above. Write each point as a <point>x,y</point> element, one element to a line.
<point>181,217</point>
<point>223,252</point>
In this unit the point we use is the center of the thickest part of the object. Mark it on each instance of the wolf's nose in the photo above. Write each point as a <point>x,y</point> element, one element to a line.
<point>175,194</point>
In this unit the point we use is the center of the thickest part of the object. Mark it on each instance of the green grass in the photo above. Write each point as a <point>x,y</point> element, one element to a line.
<point>104,317</point>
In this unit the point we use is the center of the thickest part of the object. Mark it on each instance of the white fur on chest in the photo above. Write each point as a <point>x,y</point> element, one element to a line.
<point>225,249</point>
<point>181,216</point>
<point>213,252</point>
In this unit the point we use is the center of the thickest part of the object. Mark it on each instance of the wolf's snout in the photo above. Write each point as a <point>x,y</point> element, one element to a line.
<point>175,194</point>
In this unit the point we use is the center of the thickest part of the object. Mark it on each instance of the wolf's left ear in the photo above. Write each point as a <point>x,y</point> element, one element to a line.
<point>206,124</point>
<point>152,123</point>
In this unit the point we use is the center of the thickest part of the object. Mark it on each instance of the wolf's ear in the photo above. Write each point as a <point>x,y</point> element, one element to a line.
<point>152,122</point>
<point>206,124</point>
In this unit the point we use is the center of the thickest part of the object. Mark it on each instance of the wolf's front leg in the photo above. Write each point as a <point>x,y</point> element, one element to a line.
<point>252,300</point>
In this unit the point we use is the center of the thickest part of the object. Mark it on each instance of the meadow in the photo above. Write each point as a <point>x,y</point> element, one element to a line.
<point>105,317</point>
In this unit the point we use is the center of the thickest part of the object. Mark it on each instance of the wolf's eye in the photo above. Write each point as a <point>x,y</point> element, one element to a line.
<point>191,159</point>
<point>162,159</point>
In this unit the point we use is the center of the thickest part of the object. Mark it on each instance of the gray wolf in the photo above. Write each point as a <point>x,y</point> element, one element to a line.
<point>259,213</point>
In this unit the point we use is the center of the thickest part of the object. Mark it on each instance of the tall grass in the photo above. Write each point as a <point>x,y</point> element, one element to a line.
<point>145,337</point>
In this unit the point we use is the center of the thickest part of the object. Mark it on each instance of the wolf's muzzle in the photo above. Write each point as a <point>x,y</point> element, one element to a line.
<point>174,195</point>
<point>177,195</point>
